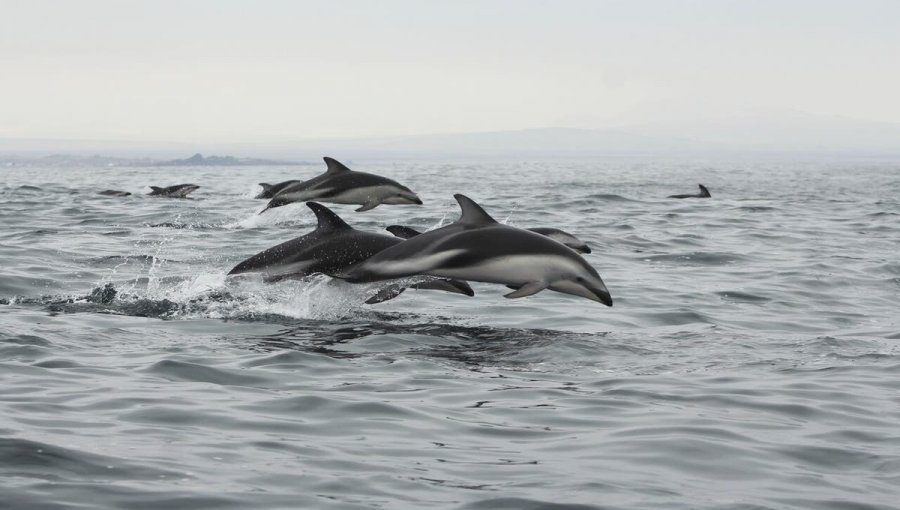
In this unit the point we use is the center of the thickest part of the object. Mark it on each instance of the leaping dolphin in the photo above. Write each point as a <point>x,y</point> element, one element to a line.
<point>556,234</point>
<point>340,185</point>
<point>176,191</point>
<point>333,248</point>
<point>478,248</point>
<point>704,193</point>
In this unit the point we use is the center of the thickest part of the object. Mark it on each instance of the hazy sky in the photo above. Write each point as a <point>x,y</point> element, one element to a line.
<point>261,70</point>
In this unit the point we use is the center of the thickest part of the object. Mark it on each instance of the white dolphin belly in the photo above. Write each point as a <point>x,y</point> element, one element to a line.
<point>512,270</point>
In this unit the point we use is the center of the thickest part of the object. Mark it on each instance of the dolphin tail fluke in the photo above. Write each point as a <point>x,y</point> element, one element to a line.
<point>266,191</point>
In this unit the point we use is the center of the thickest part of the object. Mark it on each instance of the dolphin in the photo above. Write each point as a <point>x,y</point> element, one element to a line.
<point>478,248</point>
<point>556,234</point>
<point>270,190</point>
<point>114,193</point>
<point>704,193</point>
<point>340,185</point>
<point>333,248</point>
<point>176,191</point>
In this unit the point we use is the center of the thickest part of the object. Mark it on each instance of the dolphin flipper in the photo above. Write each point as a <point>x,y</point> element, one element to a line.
<point>386,294</point>
<point>371,204</point>
<point>527,290</point>
<point>402,232</point>
<point>446,285</point>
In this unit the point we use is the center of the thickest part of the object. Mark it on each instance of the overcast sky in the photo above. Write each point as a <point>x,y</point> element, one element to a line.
<point>230,70</point>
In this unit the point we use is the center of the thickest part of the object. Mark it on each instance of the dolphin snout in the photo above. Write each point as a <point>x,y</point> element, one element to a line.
<point>603,297</point>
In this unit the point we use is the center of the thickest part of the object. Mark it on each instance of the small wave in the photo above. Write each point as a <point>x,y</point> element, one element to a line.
<point>184,371</point>
<point>526,504</point>
<point>291,213</point>
<point>699,258</point>
<point>45,461</point>
<point>757,208</point>
<point>181,226</point>
<point>127,258</point>
<point>742,297</point>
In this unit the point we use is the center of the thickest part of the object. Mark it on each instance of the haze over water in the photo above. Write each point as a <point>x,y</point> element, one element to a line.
<point>751,359</point>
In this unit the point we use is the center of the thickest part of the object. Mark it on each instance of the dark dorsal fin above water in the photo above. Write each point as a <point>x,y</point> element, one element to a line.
<point>327,219</point>
<point>472,213</point>
<point>703,191</point>
<point>402,232</point>
<point>335,166</point>
<point>265,185</point>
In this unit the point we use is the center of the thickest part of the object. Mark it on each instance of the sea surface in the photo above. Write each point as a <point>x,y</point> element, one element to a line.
<point>751,359</point>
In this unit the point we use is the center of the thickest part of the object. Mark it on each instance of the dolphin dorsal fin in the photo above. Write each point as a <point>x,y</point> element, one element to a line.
<point>327,219</point>
<point>403,232</point>
<point>472,213</point>
<point>703,191</point>
<point>156,189</point>
<point>265,185</point>
<point>335,166</point>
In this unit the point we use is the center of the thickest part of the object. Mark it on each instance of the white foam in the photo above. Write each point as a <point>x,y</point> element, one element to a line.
<point>283,214</point>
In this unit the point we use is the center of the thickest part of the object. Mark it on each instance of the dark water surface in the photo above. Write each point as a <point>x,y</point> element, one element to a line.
<point>751,360</point>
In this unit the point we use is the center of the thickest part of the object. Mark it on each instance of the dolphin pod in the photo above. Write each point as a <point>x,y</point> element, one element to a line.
<point>340,185</point>
<point>333,248</point>
<point>478,248</point>
<point>474,248</point>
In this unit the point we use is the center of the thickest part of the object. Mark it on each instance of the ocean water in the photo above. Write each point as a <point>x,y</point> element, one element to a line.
<point>751,360</point>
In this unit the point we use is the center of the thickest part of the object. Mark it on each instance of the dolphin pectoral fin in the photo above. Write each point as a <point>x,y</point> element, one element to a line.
<point>386,294</point>
<point>527,290</point>
<point>446,285</point>
<point>371,204</point>
<point>402,232</point>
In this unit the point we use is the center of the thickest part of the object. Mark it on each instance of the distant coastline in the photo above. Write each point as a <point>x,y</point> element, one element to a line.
<point>199,160</point>
<point>111,161</point>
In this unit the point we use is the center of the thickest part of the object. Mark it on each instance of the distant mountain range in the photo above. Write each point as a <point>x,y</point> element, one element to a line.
<point>75,159</point>
<point>752,133</point>
<point>199,160</point>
